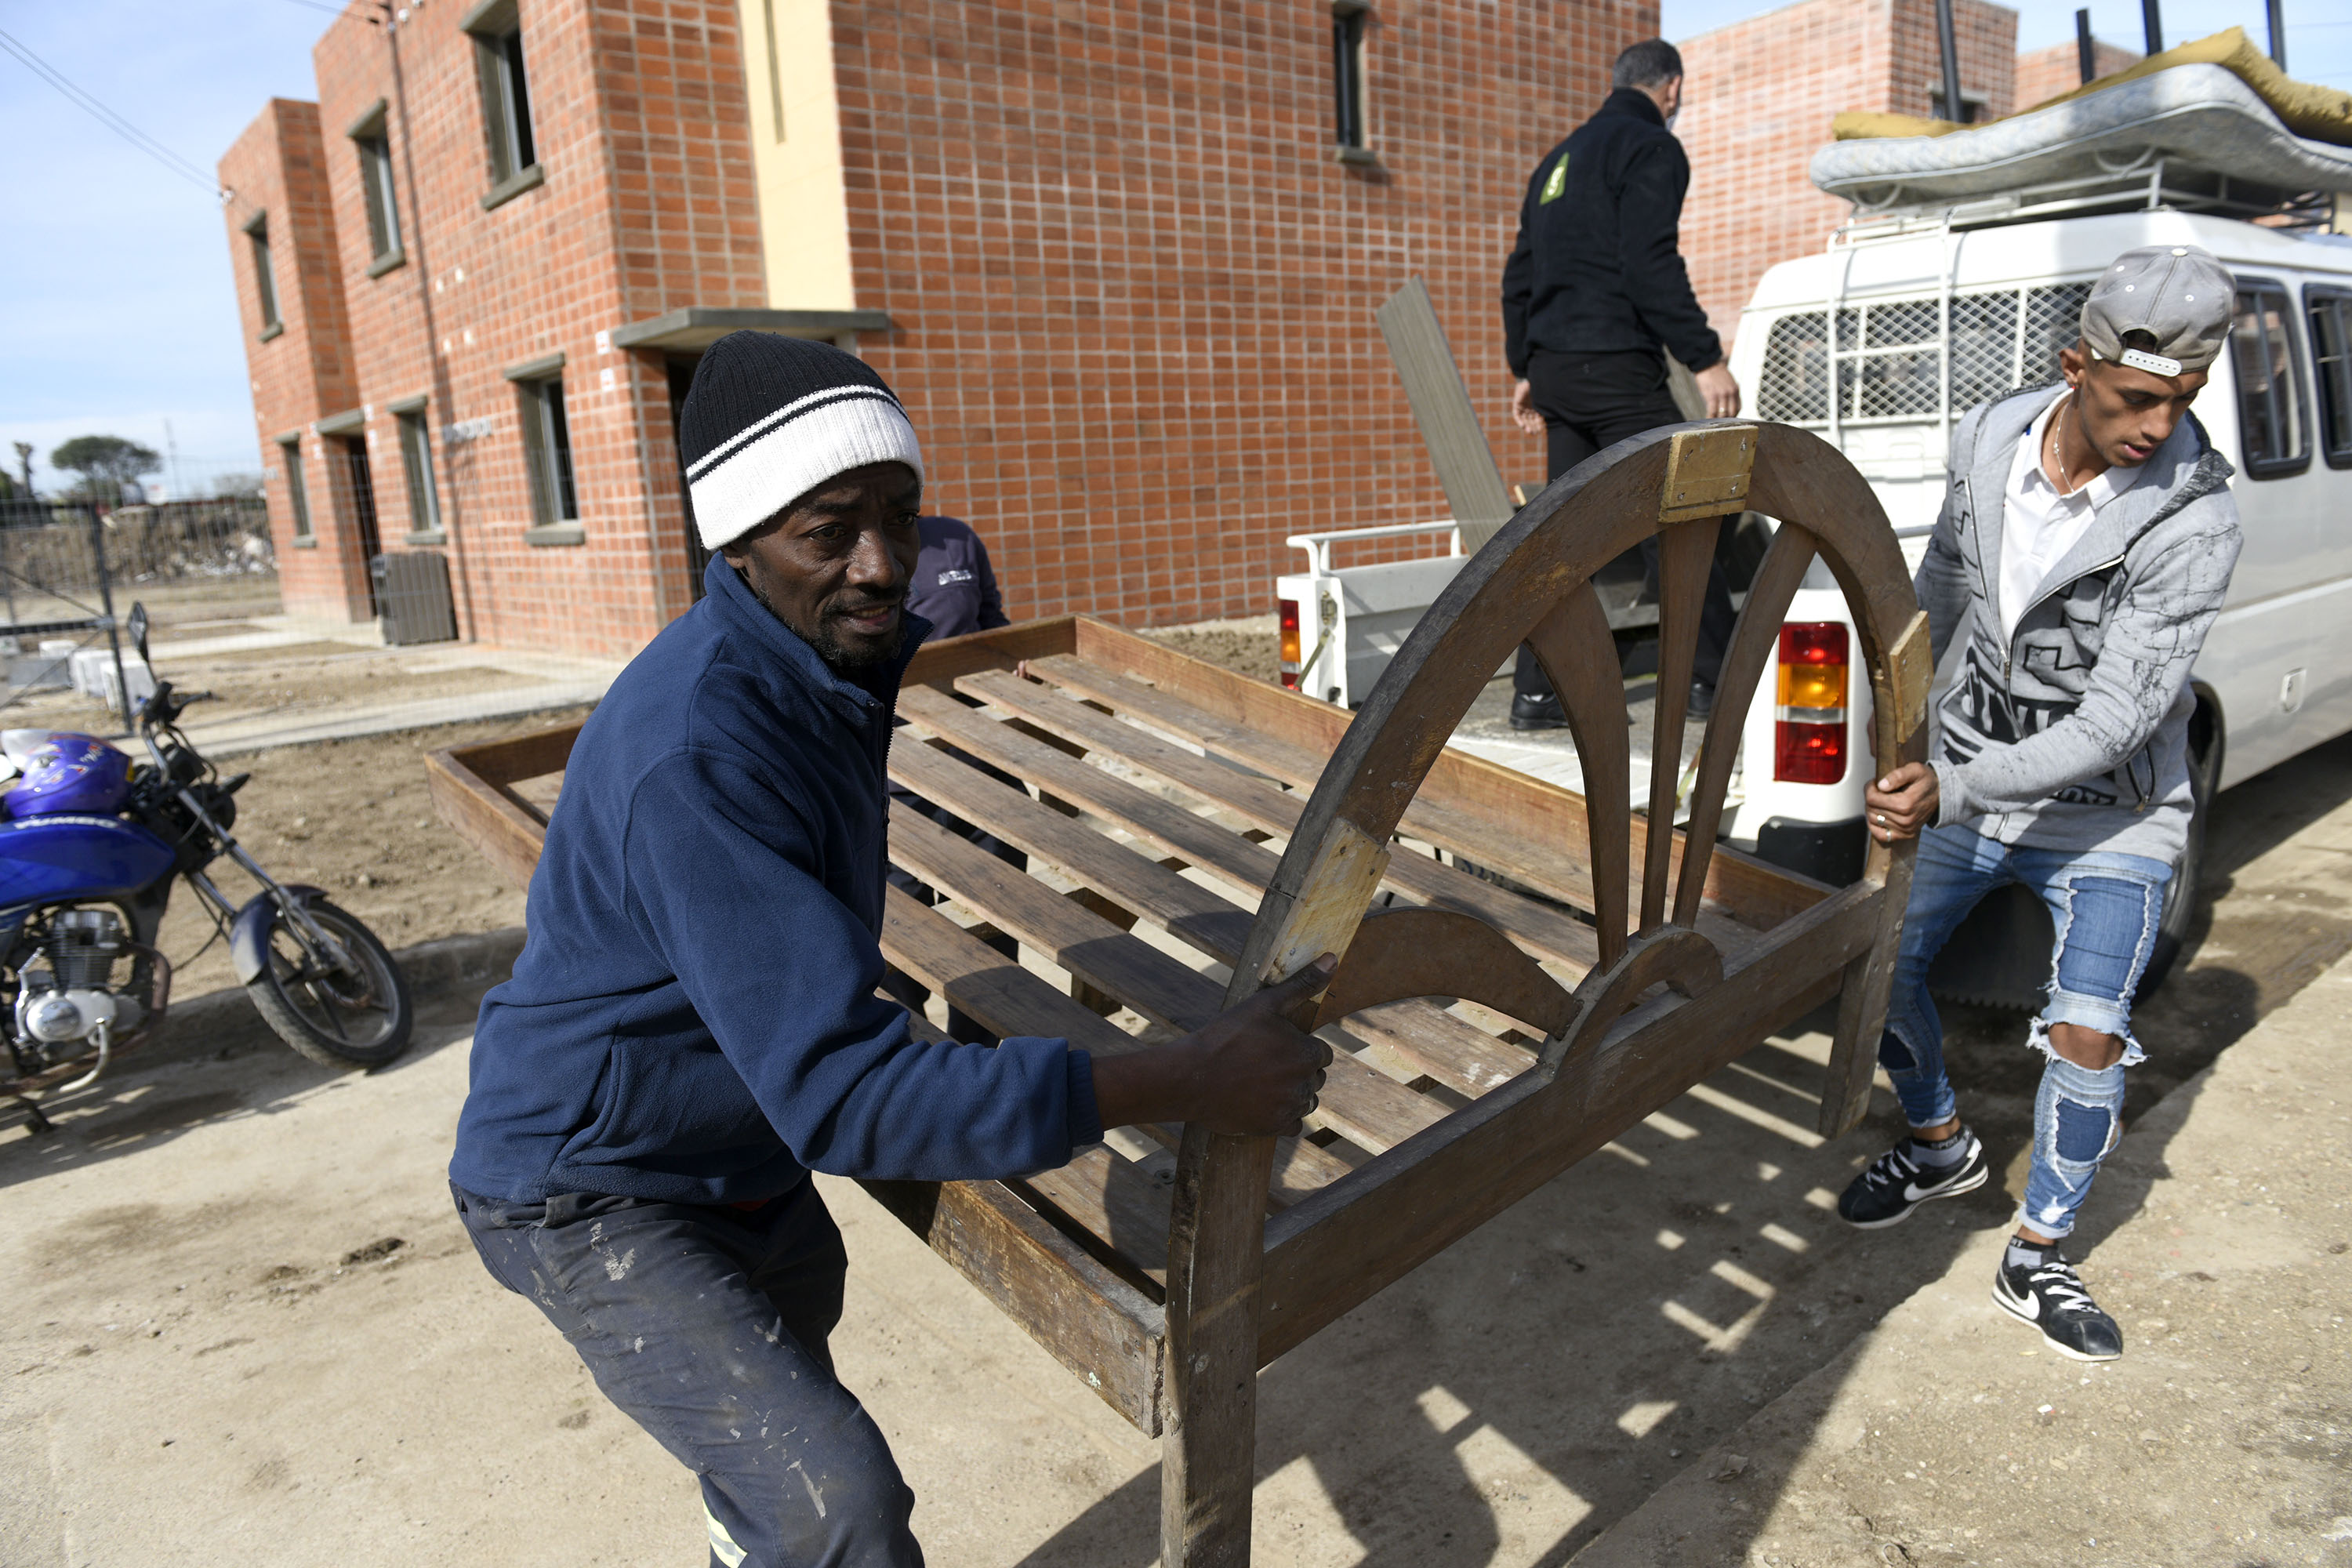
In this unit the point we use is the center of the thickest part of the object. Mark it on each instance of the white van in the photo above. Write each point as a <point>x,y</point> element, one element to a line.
<point>1923,320</point>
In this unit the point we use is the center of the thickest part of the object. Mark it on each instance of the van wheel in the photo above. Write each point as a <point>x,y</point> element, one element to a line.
<point>2180,901</point>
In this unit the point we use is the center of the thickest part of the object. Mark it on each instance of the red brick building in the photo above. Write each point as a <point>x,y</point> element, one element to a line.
<point>290,299</point>
<point>1120,262</point>
<point>1758,102</point>
<point>2043,74</point>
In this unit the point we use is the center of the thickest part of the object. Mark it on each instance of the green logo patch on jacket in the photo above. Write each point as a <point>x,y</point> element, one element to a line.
<point>1555,182</point>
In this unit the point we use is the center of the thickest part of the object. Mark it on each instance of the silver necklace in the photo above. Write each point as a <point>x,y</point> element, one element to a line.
<point>2057,446</point>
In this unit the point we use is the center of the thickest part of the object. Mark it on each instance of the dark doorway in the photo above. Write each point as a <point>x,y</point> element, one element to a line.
<point>681,377</point>
<point>357,484</point>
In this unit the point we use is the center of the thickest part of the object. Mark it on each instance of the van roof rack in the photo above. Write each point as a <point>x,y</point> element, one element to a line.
<point>2151,183</point>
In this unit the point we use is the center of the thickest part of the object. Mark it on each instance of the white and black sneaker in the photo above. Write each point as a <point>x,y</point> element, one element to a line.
<point>2045,1292</point>
<point>1898,1182</point>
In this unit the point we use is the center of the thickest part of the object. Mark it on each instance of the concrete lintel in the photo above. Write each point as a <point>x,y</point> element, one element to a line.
<point>493,16</point>
<point>538,369</point>
<point>697,327</point>
<point>371,119</point>
<point>343,424</point>
<point>414,405</point>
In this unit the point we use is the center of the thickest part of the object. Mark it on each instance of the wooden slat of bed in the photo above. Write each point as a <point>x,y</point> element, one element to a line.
<point>1359,1103</point>
<point>1005,997</point>
<point>1541,929</point>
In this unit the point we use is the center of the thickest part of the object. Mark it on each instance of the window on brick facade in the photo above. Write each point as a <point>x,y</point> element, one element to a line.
<point>374,144</point>
<point>297,497</point>
<point>547,451</point>
<point>505,92</point>
<point>2331,354</point>
<point>1347,70</point>
<point>2274,423</point>
<point>1972,107</point>
<point>264,285</point>
<point>416,464</point>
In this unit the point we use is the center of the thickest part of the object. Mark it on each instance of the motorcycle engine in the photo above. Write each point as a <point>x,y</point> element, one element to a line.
<point>70,1000</point>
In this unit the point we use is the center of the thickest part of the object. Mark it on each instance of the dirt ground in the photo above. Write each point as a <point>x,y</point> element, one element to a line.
<point>2220,1237</point>
<point>353,817</point>
<point>202,1244</point>
<point>1246,648</point>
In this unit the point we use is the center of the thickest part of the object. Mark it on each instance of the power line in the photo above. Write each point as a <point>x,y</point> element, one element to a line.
<point>107,118</point>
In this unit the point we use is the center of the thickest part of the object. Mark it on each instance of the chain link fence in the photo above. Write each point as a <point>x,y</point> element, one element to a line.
<point>63,563</point>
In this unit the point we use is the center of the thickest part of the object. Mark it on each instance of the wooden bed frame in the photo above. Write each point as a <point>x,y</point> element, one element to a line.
<point>1493,1029</point>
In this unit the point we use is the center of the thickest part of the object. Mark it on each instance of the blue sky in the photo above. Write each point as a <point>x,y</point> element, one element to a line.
<point>116,308</point>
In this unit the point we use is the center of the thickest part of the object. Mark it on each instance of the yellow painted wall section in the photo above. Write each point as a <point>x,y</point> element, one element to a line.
<point>796,153</point>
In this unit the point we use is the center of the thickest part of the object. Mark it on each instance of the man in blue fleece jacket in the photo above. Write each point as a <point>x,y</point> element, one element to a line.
<point>694,1027</point>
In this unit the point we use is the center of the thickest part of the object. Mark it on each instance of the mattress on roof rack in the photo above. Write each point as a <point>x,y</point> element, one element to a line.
<point>2200,115</point>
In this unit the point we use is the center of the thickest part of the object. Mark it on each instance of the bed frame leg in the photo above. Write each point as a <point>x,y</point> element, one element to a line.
<point>1216,1255</point>
<point>1862,1003</point>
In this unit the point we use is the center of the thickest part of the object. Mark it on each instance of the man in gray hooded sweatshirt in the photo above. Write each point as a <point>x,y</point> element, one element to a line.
<point>2085,546</point>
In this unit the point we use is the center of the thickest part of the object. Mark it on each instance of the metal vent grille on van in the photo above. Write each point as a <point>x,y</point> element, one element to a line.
<point>1890,356</point>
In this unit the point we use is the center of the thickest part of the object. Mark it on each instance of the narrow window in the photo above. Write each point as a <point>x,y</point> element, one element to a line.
<point>289,457</point>
<point>374,145</point>
<point>417,462</point>
<point>2331,354</point>
<point>1347,70</point>
<point>1972,107</point>
<point>506,104</point>
<point>547,449</point>
<point>496,28</point>
<point>265,284</point>
<point>2274,430</point>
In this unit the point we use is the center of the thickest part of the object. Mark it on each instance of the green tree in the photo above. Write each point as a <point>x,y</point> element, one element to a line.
<point>106,463</point>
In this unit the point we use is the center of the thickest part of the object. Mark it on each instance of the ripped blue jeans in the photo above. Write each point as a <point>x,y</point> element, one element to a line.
<point>2106,909</point>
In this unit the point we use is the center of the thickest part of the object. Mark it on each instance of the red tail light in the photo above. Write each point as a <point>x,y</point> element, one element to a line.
<point>1288,610</point>
<point>1809,719</point>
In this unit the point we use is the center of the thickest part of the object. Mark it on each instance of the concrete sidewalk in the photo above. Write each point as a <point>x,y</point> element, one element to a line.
<point>2218,1237</point>
<point>421,686</point>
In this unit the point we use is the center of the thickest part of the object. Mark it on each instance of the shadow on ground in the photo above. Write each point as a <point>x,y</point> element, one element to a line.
<point>1583,1348</point>
<point>215,1060</point>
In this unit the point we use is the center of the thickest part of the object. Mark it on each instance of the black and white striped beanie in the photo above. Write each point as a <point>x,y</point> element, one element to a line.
<point>769,419</point>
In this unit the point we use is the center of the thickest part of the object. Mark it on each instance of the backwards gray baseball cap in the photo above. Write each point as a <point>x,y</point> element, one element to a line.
<point>2179,294</point>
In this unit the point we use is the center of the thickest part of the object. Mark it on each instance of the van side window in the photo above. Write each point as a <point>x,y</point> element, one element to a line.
<point>2331,358</point>
<point>2273,421</point>
<point>1795,387</point>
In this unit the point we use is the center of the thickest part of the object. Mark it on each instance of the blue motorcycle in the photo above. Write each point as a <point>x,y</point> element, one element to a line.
<point>90,843</point>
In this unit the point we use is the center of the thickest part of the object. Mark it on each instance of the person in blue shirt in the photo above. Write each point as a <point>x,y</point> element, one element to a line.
<point>955,586</point>
<point>954,589</point>
<point>694,1025</point>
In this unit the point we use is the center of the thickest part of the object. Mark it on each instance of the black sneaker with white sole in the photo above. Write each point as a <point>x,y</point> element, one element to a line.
<point>1897,1183</point>
<point>2050,1295</point>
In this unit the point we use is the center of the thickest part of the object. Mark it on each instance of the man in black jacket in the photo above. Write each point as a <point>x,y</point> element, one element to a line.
<point>1594,295</point>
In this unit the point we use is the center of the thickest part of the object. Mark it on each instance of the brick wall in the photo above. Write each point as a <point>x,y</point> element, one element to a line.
<point>1134,289</point>
<point>2043,74</point>
<point>274,172</point>
<point>1758,101</point>
<point>645,204</point>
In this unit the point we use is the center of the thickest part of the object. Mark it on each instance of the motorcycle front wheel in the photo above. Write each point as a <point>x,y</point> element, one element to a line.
<point>354,1013</point>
